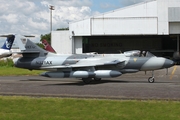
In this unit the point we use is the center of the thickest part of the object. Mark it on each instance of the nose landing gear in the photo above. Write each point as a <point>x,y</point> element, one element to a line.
<point>151,79</point>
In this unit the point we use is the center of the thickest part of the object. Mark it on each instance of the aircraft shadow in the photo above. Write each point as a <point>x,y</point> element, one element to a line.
<point>35,80</point>
<point>81,83</point>
<point>104,81</point>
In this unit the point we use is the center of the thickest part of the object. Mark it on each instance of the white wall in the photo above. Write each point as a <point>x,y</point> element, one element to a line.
<point>124,26</point>
<point>61,42</point>
<point>80,28</point>
<point>78,48</point>
<point>163,7</point>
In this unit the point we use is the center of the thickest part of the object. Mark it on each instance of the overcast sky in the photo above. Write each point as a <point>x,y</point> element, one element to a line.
<point>32,17</point>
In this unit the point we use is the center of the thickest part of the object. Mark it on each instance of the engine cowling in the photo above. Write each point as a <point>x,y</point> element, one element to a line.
<point>176,56</point>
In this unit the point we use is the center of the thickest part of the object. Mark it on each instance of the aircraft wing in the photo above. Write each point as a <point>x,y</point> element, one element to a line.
<point>85,64</point>
<point>26,52</point>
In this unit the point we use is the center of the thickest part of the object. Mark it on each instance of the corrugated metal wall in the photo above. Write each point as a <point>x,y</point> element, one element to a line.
<point>124,26</point>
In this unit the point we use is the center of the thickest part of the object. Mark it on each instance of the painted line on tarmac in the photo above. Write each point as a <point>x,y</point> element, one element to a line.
<point>172,74</point>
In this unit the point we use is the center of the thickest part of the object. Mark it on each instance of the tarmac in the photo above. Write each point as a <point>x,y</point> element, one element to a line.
<point>127,86</point>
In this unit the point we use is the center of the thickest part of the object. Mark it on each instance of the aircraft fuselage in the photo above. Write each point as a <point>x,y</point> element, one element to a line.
<point>130,64</point>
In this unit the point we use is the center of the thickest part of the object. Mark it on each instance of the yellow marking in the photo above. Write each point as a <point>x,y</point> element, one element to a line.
<point>172,74</point>
<point>135,59</point>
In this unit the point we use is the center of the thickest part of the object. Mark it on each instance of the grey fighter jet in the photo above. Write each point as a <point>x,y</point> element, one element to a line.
<point>88,66</point>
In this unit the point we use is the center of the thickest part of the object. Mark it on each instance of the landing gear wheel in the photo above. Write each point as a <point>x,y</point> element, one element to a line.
<point>87,80</point>
<point>151,79</point>
<point>97,79</point>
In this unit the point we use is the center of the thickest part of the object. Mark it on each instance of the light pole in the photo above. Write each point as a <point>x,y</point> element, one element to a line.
<point>51,9</point>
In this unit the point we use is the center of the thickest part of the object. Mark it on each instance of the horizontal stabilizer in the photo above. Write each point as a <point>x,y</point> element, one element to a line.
<point>6,35</point>
<point>27,52</point>
<point>29,36</point>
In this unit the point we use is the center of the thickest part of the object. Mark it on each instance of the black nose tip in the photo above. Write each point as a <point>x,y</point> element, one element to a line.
<point>168,63</point>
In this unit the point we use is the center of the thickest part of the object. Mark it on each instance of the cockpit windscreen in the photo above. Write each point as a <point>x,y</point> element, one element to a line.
<point>138,53</point>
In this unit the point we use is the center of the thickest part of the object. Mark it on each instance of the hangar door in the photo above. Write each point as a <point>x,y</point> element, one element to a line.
<point>116,44</point>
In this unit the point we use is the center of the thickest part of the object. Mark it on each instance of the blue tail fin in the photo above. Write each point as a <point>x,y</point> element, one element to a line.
<point>9,42</point>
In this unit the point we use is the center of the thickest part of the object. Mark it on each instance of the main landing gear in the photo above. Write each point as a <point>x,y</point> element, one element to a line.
<point>151,79</point>
<point>97,79</point>
<point>88,80</point>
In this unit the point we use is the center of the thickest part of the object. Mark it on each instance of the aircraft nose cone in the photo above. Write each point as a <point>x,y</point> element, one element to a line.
<point>168,63</point>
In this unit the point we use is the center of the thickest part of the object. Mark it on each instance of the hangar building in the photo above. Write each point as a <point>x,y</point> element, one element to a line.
<point>152,25</point>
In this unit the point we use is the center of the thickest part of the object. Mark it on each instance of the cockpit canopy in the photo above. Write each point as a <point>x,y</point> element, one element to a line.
<point>138,53</point>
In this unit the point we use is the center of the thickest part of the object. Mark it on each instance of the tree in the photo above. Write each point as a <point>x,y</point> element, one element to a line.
<point>60,29</point>
<point>40,45</point>
<point>46,37</point>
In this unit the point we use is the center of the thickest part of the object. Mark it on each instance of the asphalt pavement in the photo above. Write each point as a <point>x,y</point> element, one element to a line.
<point>128,86</point>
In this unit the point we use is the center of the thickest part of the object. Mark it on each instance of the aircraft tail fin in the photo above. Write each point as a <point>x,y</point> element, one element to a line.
<point>33,50</point>
<point>47,46</point>
<point>9,42</point>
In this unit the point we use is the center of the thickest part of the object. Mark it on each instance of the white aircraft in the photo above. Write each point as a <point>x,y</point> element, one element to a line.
<point>5,50</point>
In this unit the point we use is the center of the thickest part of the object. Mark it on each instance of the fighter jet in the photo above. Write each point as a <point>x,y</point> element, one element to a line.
<point>88,66</point>
<point>5,50</point>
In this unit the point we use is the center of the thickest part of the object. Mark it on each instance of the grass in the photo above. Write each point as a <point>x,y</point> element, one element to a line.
<point>8,71</point>
<point>20,108</point>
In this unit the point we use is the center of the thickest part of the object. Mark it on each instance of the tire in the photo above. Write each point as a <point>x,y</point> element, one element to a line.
<point>151,80</point>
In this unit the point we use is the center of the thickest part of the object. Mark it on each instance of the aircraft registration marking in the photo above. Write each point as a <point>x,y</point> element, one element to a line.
<point>44,62</point>
<point>30,47</point>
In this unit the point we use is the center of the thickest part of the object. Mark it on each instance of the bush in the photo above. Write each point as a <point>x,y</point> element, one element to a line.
<point>6,62</point>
